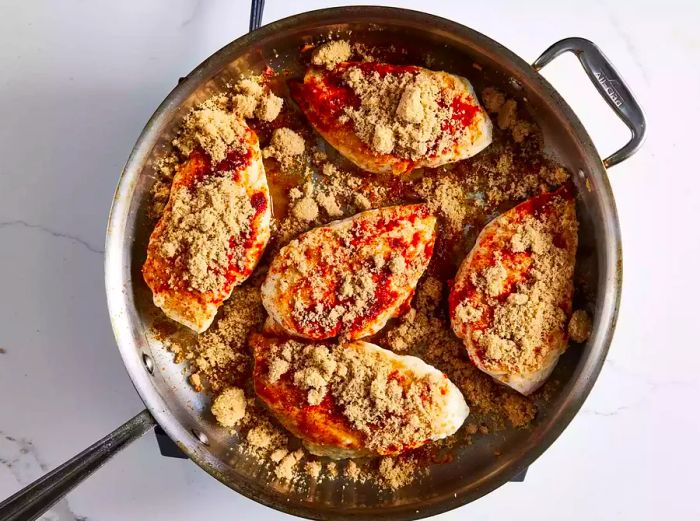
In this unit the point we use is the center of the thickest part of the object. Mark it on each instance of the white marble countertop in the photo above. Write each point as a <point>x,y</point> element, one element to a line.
<point>79,79</point>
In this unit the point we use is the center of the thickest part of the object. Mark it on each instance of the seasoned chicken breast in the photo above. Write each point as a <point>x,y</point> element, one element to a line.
<point>212,233</point>
<point>391,118</point>
<point>355,399</point>
<point>512,295</point>
<point>351,276</point>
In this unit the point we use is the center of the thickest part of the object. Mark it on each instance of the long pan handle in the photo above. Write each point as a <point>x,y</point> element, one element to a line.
<point>609,84</point>
<point>256,13</point>
<point>36,498</point>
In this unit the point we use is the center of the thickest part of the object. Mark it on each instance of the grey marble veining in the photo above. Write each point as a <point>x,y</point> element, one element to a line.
<point>19,458</point>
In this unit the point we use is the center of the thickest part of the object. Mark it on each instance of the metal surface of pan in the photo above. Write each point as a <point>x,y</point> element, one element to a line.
<point>475,469</point>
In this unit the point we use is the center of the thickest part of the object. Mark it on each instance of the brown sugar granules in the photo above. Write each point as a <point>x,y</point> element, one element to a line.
<point>306,209</point>
<point>357,291</point>
<point>500,176</point>
<point>327,194</point>
<point>332,469</point>
<point>203,220</point>
<point>411,331</point>
<point>330,54</point>
<point>269,107</point>
<point>353,472</point>
<point>416,325</point>
<point>580,326</point>
<point>507,114</point>
<point>504,185</point>
<point>263,440</point>
<point>449,198</point>
<point>532,315</point>
<point>328,202</point>
<point>165,169</point>
<point>362,202</point>
<point>493,99</point>
<point>519,412</point>
<point>338,190</point>
<point>251,99</point>
<point>278,455</point>
<point>213,128</point>
<point>220,355</point>
<point>401,113</point>
<point>229,407</point>
<point>285,146</point>
<point>286,468</point>
<point>313,469</point>
<point>521,129</point>
<point>362,383</point>
<point>395,473</point>
<point>196,382</point>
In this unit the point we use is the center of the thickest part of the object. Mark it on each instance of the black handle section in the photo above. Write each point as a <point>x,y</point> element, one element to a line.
<point>256,12</point>
<point>610,85</point>
<point>36,498</point>
<point>168,447</point>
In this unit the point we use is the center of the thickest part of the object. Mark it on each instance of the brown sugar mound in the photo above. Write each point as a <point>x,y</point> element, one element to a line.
<point>285,146</point>
<point>330,54</point>
<point>305,207</point>
<point>401,113</point>
<point>580,326</point>
<point>213,128</point>
<point>390,412</point>
<point>507,114</point>
<point>287,467</point>
<point>229,407</point>
<point>353,472</point>
<point>252,99</point>
<point>269,107</point>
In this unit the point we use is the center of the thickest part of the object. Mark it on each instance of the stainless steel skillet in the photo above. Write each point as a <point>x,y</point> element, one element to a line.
<point>182,413</point>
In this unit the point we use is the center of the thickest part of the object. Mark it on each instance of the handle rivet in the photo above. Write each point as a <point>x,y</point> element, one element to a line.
<point>515,83</point>
<point>200,436</point>
<point>147,362</point>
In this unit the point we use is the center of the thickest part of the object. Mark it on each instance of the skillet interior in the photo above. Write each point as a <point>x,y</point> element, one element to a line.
<point>475,469</point>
